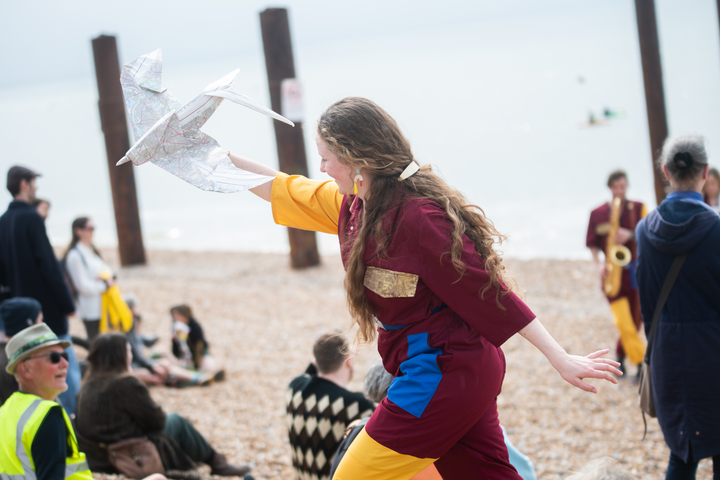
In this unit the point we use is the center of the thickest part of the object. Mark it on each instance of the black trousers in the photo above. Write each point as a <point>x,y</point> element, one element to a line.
<point>92,327</point>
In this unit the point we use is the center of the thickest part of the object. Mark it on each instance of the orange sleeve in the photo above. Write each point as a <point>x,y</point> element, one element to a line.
<point>306,204</point>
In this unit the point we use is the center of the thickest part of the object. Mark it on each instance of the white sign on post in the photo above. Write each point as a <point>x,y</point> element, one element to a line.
<point>291,99</point>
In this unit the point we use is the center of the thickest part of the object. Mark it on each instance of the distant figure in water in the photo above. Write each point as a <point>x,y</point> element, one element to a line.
<point>613,114</point>
<point>594,121</point>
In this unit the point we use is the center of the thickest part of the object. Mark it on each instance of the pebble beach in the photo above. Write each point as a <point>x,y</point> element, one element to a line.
<point>261,319</point>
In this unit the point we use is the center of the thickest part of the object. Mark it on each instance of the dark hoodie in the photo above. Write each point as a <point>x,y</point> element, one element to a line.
<point>685,355</point>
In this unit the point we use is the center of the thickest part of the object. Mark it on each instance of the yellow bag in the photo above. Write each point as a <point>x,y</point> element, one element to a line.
<point>116,315</point>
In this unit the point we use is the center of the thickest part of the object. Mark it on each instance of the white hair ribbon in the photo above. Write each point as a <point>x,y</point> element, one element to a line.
<point>409,171</point>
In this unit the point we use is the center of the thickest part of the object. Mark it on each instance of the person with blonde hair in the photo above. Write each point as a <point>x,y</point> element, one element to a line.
<point>422,270</point>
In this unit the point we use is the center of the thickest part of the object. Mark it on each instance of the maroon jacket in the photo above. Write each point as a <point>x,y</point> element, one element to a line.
<point>599,225</point>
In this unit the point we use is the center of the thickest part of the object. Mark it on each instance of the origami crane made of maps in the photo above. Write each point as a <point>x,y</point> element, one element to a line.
<point>168,134</point>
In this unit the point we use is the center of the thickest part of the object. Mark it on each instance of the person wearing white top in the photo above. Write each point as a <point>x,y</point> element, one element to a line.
<point>85,270</point>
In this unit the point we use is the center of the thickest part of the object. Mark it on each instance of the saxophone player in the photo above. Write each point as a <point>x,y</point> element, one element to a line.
<point>623,298</point>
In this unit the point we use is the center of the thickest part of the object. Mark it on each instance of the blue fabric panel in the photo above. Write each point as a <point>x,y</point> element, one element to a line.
<point>390,327</point>
<point>438,309</point>
<point>421,376</point>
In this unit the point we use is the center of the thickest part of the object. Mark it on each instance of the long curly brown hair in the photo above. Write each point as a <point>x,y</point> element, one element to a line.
<point>363,135</point>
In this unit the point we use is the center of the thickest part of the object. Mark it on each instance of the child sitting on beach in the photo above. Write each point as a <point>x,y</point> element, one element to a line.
<point>157,370</point>
<point>189,345</point>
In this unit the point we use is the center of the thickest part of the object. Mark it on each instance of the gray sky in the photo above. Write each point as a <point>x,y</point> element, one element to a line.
<point>49,40</point>
<point>484,89</point>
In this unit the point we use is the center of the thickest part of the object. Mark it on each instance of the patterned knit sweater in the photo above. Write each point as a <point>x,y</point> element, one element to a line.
<point>318,413</point>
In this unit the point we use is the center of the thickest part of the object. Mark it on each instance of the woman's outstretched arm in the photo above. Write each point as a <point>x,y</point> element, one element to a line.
<point>298,202</point>
<point>572,368</point>
<point>264,190</point>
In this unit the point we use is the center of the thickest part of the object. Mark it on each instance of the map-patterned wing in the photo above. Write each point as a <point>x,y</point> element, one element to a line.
<point>169,135</point>
<point>145,99</point>
<point>198,160</point>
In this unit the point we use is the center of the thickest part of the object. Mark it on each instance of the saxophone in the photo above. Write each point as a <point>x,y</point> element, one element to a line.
<point>616,256</point>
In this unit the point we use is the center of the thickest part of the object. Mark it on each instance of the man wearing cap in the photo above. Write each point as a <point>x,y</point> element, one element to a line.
<point>16,314</point>
<point>28,267</point>
<point>37,440</point>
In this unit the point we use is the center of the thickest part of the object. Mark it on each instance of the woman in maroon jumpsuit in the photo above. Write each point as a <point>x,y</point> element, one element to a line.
<point>421,270</point>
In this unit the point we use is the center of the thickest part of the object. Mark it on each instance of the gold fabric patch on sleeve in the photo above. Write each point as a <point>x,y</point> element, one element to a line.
<point>602,228</point>
<point>389,284</point>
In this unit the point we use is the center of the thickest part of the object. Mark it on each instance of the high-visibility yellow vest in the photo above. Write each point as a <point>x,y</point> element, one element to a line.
<point>20,418</point>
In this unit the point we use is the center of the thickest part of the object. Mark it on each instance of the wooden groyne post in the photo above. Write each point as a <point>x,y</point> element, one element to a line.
<point>654,94</point>
<point>290,143</point>
<point>117,143</point>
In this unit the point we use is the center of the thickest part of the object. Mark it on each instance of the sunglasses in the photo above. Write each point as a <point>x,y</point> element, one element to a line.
<point>54,356</point>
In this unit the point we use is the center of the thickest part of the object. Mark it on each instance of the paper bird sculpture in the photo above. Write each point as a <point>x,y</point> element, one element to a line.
<point>168,134</point>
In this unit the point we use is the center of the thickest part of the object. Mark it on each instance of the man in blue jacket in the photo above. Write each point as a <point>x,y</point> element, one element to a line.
<point>29,268</point>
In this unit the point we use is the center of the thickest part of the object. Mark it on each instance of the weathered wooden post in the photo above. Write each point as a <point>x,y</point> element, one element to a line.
<point>290,143</point>
<point>117,142</point>
<point>654,95</point>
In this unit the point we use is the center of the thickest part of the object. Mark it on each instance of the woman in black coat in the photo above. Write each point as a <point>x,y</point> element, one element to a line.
<point>686,350</point>
<point>113,405</point>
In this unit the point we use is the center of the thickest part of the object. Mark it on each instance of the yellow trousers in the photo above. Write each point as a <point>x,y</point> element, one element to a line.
<point>631,341</point>
<point>366,459</point>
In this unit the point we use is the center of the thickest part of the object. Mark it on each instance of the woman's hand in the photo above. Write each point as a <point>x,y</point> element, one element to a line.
<point>574,369</point>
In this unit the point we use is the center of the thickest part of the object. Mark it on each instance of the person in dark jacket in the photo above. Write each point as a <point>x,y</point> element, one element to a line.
<point>113,405</point>
<point>28,268</point>
<point>686,384</point>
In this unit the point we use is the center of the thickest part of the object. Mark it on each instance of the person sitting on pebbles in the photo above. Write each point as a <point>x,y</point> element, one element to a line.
<point>37,439</point>
<point>113,405</point>
<point>189,345</point>
<point>157,371</point>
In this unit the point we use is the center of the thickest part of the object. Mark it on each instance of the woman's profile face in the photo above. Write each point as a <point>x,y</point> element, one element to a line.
<point>712,187</point>
<point>341,173</point>
<point>86,233</point>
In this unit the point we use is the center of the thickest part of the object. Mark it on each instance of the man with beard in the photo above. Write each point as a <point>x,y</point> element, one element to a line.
<point>29,268</point>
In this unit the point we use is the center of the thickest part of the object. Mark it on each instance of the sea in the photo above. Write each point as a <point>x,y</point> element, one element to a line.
<point>501,108</point>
